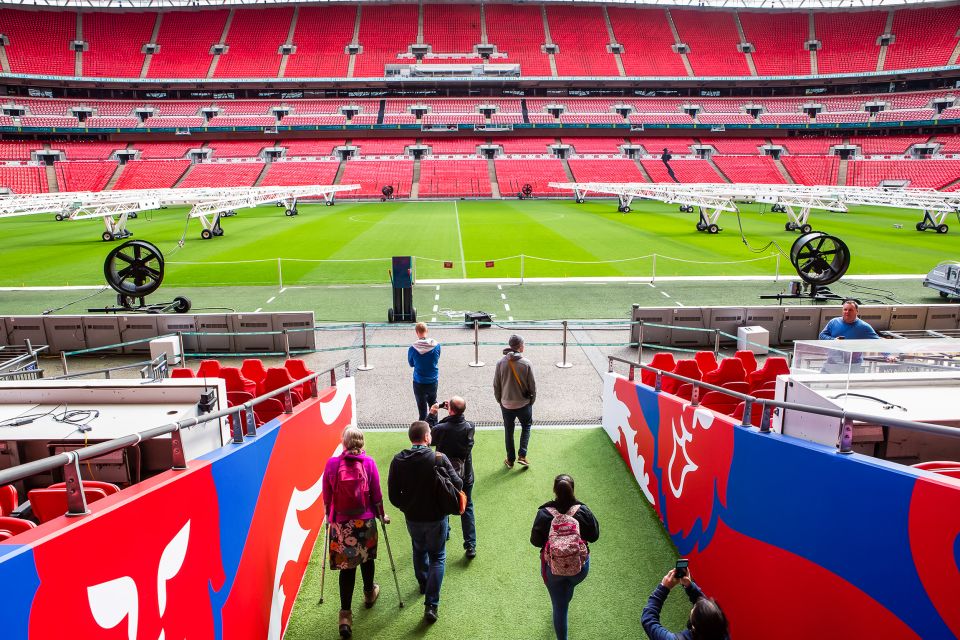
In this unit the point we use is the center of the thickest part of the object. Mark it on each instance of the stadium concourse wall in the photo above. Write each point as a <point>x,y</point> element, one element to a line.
<point>216,551</point>
<point>793,539</point>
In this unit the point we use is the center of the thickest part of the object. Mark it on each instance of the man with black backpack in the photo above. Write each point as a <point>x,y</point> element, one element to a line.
<point>425,486</point>
<point>454,437</point>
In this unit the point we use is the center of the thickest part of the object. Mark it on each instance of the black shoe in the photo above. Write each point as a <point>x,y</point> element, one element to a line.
<point>430,613</point>
<point>471,553</point>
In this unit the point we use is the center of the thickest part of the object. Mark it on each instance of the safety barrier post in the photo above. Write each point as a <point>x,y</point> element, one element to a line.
<point>845,445</point>
<point>280,272</point>
<point>640,344</point>
<point>695,396</point>
<point>76,500</point>
<point>716,342</point>
<point>251,419</point>
<point>476,345</point>
<point>236,429</point>
<point>776,277</point>
<point>653,276</point>
<point>521,269</point>
<point>183,352</point>
<point>63,361</point>
<point>363,332</point>
<point>658,381</point>
<point>745,421</point>
<point>765,419</point>
<point>286,344</point>
<point>176,451</point>
<point>563,364</point>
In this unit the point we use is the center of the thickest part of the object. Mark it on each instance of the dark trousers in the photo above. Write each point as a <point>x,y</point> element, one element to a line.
<point>468,521</point>
<point>510,417</point>
<point>429,556</point>
<point>425,393</point>
<point>561,593</point>
<point>348,579</point>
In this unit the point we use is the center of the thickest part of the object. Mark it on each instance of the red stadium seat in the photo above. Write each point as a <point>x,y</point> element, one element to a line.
<point>707,361</point>
<point>108,488</point>
<point>739,387</point>
<point>730,370</point>
<point>686,368</point>
<point>51,503</point>
<point>772,367</point>
<point>15,525</point>
<point>253,369</point>
<point>267,410</point>
<point>236,382</point>
<point>766,394</point>
<point>278,377</point>
<point>748,359</point>
<point>298,370</point>
<point>8,499</point>
<point>209,369</point>
<point>182,372</point>
<point>663,361</point>
<point>720,402</point>
<point>235,398</point>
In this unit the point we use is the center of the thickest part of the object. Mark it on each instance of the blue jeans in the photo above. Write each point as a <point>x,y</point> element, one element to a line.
<point>561,593</point>
<point>468,521</point>
<point>429,556</point>
<point>510,416</point>
<point>425,394</point>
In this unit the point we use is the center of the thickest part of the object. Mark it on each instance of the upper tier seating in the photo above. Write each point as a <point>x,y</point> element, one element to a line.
<point>385,32</point>
<point>254,41</point>
<point>849,40</point>
<point>922,37</point>
<point>712,38</point>
<point>164,150</point>
<point>310,148</point>
<point>581,34</point>
<point>521,44</point>
<point>646,37</point>
<point>885,145</point>
<point>185,39</point>
<point>39,41</point>
<point>450,28</point>
<point>106,57</point>
<point>321,57</point>
<point>444,178</point>
<point>777,38</point>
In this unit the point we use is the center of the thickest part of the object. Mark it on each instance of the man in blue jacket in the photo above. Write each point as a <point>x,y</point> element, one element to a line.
<point>848,326</point>
<point>424,356</point>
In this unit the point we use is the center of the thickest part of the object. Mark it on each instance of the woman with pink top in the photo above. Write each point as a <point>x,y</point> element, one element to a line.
<point>353,501</point>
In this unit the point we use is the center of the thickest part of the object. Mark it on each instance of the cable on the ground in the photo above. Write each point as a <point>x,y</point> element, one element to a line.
<point>764,248</point>
<point>55,309</point>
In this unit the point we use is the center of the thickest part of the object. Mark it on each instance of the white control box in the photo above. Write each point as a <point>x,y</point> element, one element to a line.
<point>756,339</point>
<point>169,346</point>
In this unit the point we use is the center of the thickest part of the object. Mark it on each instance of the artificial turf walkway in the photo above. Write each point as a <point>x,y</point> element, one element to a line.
<point>500,594</point>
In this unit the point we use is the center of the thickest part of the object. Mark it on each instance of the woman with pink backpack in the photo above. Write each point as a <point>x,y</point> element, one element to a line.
<point>353,502</point>
<point>562,529</point>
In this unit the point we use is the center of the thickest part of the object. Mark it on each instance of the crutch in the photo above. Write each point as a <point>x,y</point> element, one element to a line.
<point>393,567</point>
<point>326,552</point>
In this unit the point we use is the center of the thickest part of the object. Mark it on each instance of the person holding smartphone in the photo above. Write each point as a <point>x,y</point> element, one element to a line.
<point>454,437</point>
<point>706,621</point>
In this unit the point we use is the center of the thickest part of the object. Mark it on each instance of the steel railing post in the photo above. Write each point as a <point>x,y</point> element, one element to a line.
<point>236,429</point>
<point>63,361</point>
<point>76,501</point>
<point>476,345</point>
<point>563,364</point>
<point>363,332</point>
<point>288,401</point>
<point>183,352</point>
<point>695,396</point>
<point>716,342</point>
<point>251,419</point>
<point>658,382</point>
<point>286,344</point>
<point>745,421</point>
<point>765,419</point>
<point>845,444</point>
<point>176,451</point>
<point>640,344</point>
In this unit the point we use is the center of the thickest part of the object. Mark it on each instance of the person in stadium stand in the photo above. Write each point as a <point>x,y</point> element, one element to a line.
<point>706,621</point>
<point>411,486</point>
<point>666,157</point>
<point>515,389</point>
<point>353,509</point>
<point>849,326</point>
<point>561,587</point>
<point>454,436</point>
<point>424,355</point>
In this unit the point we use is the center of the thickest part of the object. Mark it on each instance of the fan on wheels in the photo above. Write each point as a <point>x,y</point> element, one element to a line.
<point>134,270</point>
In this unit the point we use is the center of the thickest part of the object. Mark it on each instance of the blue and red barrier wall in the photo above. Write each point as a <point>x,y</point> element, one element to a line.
<point>794,540</point>
<point>216,551</point>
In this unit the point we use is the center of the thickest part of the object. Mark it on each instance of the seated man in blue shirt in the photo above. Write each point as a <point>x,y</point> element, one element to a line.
<point>848,326</point>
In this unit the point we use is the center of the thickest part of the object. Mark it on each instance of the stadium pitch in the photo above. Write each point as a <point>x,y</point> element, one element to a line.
<point>469,247</point>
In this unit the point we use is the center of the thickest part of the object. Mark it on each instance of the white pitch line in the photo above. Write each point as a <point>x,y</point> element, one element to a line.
<point>258,310</point>
<point>433,319</point>
<point>436,308</point>
<point>463,260</point>
<point>436,297</point>
<point>509,318</point>
<point>503,296</point>
<point>678,303</point>
<point>652,285</point>
<point>665,294</point>
<point>271,299</point>
<point>506,306</point>
<point>500,287</point>
<point>283,289</point>
<point>438,287</point>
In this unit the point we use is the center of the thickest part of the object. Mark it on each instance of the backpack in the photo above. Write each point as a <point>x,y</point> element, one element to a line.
<point>565,551</point>
<point>351,487</point>
<point>451,500</point>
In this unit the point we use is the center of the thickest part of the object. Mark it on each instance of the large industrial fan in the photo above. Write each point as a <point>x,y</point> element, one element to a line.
<point>134,270</point>
<point>820,260</point>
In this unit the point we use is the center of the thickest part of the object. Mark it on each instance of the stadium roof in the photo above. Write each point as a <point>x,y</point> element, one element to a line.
<point>718,4</point>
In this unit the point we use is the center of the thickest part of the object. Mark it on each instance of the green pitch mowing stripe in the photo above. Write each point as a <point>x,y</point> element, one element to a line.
<point>500,593</point>
<point>352,243</point>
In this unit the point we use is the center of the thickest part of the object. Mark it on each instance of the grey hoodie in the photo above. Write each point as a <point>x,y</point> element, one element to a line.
<point>505,388</point>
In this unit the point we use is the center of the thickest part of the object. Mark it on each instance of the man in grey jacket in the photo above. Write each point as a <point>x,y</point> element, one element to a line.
<point>515,390</point>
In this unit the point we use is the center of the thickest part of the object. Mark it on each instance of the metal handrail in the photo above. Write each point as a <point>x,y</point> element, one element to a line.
<point>153,366</point>
<point>70,460</point>
<point>846,417</point>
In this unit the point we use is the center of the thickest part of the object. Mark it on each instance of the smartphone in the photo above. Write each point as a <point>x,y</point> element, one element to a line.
<point>681,569</point>
<point>445,405</point>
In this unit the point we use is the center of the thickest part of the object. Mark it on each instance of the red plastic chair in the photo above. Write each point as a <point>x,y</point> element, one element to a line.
<point>748,359</point>
<point>181,372</point>
<point>663,361</point>
<point>48,504</point>
<point>267,410</point>
<point>108,487</point>
<point>719,402</point>
<point>8,499</point>
<point>298,369</point>
<point>756,413</point>
<point>730,370</point>
<point>739,387</point>
<point>236,382</point>
<point>5,535</point>
<point>15,525</point>
<point>935,465</point>
<point>772,367</point>
<point>235,398</point>
<point>278,377</point>
<point>209,369</point>
<point>685,391</point>
<point>707,361</point>
<point>686,368</point>
<point>253,369</point>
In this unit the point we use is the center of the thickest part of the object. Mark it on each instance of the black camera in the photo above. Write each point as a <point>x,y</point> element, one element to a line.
<point>445,405</point>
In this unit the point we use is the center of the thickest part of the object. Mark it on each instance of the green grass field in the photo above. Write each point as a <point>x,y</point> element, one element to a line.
<point>500,593</point>
<point>351,243</point>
